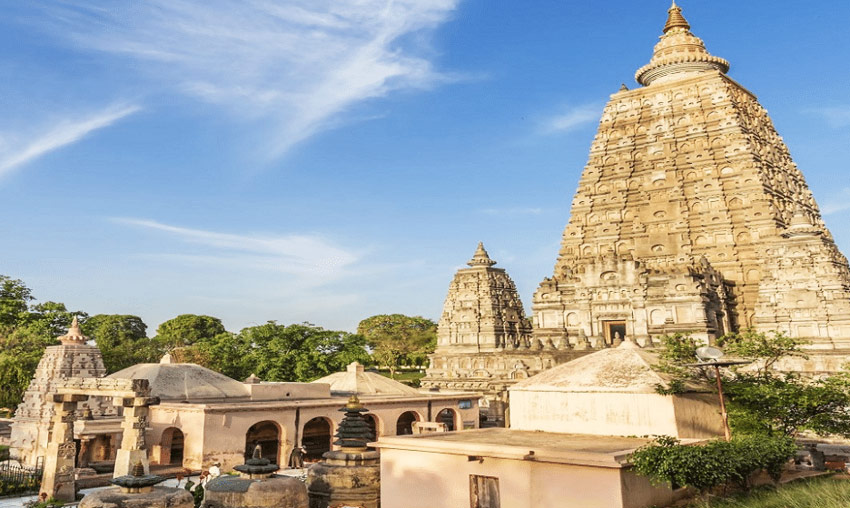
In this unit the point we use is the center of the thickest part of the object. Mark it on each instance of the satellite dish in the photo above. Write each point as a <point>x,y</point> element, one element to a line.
<point>709,354</point>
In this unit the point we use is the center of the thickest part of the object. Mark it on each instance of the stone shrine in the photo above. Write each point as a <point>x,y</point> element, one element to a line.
<point>33,418</point>
<point>484,340</point>
<point>690,216</point>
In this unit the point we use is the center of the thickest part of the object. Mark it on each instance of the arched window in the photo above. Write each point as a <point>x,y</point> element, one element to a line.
<point>316,438</point>
<point>404,424</point>
<point>267,435</point>
<point>449,418</point>
<point>171,447</point>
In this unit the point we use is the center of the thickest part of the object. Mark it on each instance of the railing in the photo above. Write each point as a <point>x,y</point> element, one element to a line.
<point>19,481</point>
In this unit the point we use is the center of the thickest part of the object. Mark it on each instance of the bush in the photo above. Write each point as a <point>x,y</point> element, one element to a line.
<point>4,453</point>
<point>716,463</point>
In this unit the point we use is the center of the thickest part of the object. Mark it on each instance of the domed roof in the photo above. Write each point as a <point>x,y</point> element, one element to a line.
<point>624,369</point>
<point>184,381</point>
<point>356,381</point>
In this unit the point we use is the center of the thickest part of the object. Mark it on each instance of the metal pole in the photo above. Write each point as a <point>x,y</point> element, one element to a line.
<point>727,434</point>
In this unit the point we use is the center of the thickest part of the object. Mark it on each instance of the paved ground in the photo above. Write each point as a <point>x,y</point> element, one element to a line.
<point>18,502</point>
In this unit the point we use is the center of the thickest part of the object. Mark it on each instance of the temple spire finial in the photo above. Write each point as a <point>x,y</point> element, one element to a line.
<point>675,19</point>
<point>74,335</point>
<point>481,258</point>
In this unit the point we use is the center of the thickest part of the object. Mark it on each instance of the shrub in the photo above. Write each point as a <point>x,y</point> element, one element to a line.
<point>716,463</point>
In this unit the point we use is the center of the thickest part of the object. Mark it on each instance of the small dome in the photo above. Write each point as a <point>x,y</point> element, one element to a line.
<point>356,381</point>
<point>184,381</point>
<point>624,369</point>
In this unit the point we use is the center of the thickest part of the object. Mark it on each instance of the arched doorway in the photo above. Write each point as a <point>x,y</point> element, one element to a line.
<point>267,435</point>
<point>316,438</point>
<point>404,424</point>
<point>448,417</point>
<point>171,447</point>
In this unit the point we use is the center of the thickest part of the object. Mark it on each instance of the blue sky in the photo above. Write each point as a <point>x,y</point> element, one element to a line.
<point>327,160</point>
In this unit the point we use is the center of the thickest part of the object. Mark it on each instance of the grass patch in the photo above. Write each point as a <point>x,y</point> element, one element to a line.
<point>821,492</point>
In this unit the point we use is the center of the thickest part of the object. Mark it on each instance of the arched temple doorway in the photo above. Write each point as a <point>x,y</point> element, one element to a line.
<point>448,417</point>
<point>171,447</point>
<point>267,435</point>
<point>404,424</point>
<point>316,438</point>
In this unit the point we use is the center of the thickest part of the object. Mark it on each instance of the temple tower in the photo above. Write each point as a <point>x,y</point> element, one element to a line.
<point>684,217</point>
<point>32,422</point>
<point>484,341</point>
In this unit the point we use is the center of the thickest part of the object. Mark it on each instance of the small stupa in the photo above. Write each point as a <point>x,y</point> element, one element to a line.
<point>256,487</point>
<point>138,489</point>
<point>352,475</point>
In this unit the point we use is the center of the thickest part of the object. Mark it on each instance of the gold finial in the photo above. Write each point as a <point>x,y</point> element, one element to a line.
<point>353,403</point>
<point>675,19</point>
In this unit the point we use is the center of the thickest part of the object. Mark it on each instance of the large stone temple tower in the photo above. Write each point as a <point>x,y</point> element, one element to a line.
<point>484,341</point>
<point>691,216</point>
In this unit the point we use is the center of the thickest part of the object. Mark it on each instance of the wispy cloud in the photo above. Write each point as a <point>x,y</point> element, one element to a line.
<point>64,133</point>
<point>511,211</point>
<point>294,65</point>
<point>834,116</point>
<point>836,205</point>
<point>294,254</point>
<point>571,118</point>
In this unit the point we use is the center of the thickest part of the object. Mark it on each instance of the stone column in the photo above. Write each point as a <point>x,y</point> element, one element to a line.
<point>135,423</point>
<point>83,457</point>
<point>58,478</point>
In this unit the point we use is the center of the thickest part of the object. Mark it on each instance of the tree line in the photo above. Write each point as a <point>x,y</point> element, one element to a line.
<point>272,351</point>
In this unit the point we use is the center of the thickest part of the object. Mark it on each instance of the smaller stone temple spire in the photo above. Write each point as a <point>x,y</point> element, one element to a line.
<point>481,258</point>
<point>74,335</point>
<point>675,19</point>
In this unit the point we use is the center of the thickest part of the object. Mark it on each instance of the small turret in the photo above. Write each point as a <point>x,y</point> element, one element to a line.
<point>481,258</point>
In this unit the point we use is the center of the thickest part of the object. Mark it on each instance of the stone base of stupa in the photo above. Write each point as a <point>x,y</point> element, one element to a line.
<point>158,497</point>
<point>344,478</point>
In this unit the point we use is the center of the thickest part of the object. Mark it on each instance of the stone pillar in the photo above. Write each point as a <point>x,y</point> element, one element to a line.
<point>58,478</point>
<point>135,423</point>
<point>83,457</point>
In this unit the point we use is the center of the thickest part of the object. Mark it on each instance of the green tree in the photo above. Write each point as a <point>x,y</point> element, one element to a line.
<point>14,300</point>
<point>227,353</point>
<point>21,349</point>
<point>122,339</point>
<point>52,318</point>
<point>300,352</point>
<point>395,338</point>
<point>760,398</point>
<point>187,329</point>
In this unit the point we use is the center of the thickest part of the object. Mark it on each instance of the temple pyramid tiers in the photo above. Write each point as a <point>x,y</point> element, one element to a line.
<point>691,216</point>
<point>73,357</point>
<point>484,341</point>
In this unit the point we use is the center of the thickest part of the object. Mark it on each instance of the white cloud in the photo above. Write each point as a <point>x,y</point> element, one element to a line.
<point>830,207</point>
<point>304,255</point>
<point>572,118</point>
<point>835,116</point>
<point>297,65</point>
<point>64,133</point>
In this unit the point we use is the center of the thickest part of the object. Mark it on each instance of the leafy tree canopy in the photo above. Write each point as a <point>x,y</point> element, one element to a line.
<point>187,329</point>
<point>396,338</point>
<point>14,300</point>
<point>122,339</point>
<point>761,398</point>
<point>301,352</point>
